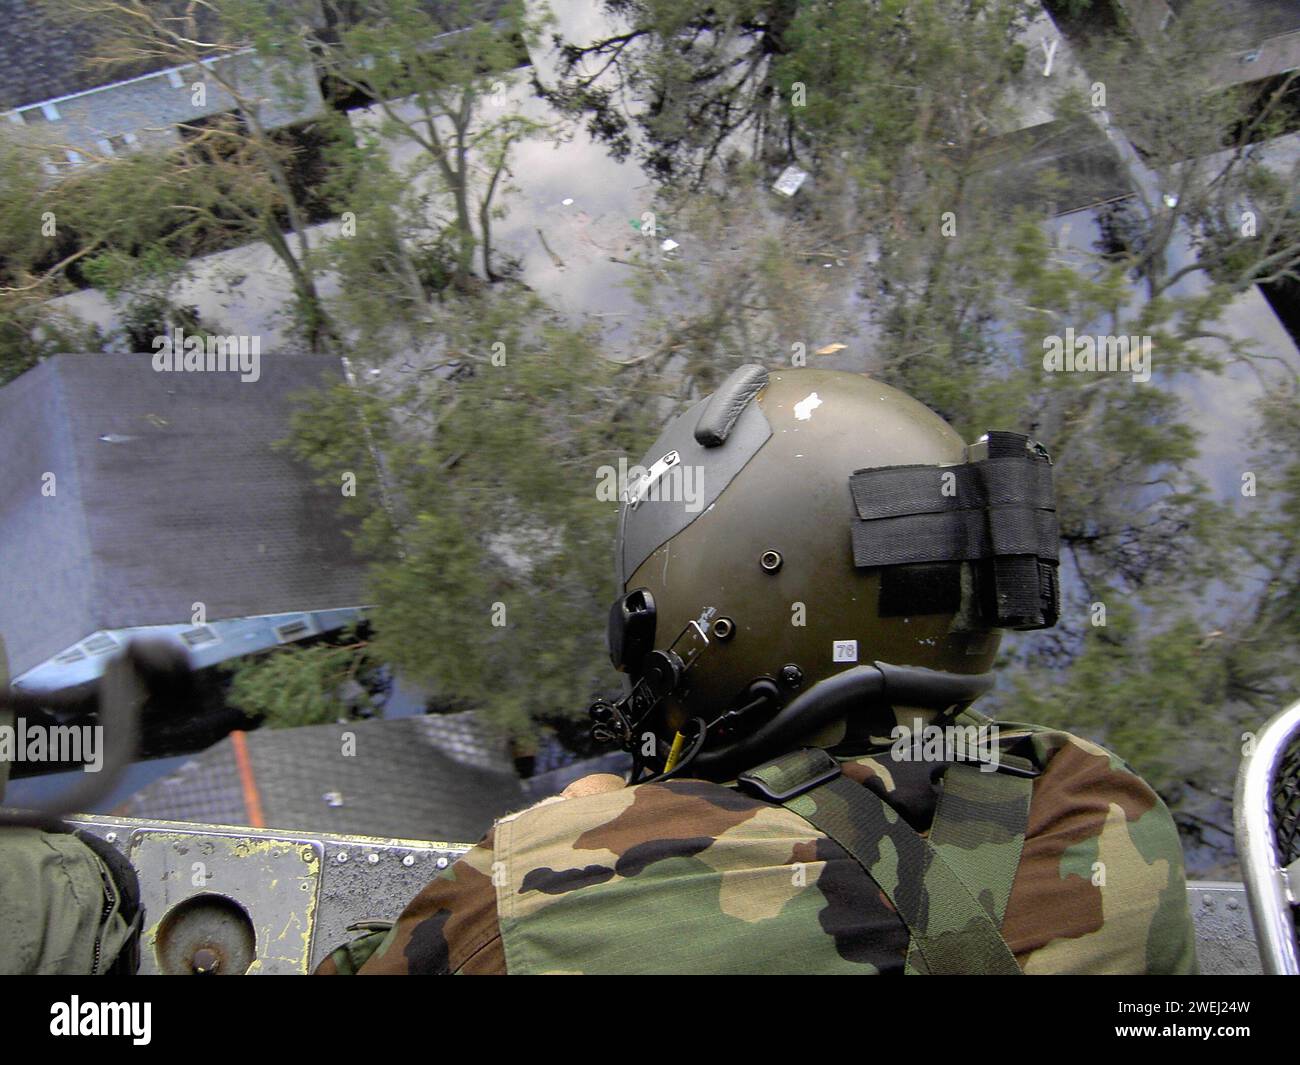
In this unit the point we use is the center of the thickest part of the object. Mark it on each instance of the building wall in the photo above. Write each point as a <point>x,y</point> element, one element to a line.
<point>1261,38</point>
<point>145,111</point>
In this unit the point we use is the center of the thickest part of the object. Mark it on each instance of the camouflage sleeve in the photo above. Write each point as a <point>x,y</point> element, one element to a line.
<point>685,877</point>
<point>681,877</point>
<point>1100,887</point>
<point>450,927</point>
<point>348,959</point>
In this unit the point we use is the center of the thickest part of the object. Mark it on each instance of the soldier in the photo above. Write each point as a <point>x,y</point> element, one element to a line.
<point>802,645</point>
<point>69,901</point>
<point>70,905</point>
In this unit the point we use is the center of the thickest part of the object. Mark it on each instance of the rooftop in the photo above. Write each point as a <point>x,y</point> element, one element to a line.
<point>167,490</point>
<point>435,776</point>
<point>44,56</point>
<point>1258,19</point>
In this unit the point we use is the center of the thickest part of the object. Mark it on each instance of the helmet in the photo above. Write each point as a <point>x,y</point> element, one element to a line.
<point>805,545</point>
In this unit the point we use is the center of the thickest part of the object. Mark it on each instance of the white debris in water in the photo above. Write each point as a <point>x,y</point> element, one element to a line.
<point>804,408</point>
<point>669,245</point>
<point>790,180</point>
<point>567,201</point>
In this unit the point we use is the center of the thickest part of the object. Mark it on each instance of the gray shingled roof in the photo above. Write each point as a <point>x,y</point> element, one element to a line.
<point>168,493</point>
<point>1088,168</point>
<point>440,777</point>
<point>42,58</point>
<point>1254,20</point>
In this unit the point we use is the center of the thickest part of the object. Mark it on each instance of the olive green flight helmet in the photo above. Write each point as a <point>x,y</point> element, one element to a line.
<point>806,544</point>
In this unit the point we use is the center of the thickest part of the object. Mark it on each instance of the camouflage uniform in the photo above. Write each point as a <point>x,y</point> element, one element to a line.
<point>688,876</point>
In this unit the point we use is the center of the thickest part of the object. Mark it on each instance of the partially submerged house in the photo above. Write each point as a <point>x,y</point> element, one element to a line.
<point>139,502</point>
<point>1031,138</point>
<point>1260,38</point>
<point>51,83</point>
<point>55,82</point>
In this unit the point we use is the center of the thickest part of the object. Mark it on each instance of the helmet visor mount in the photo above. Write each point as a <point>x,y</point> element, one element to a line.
<point>656,676</point>
<point>630,635</point>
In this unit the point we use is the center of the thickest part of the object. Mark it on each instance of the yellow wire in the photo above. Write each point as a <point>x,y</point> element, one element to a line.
<point>675,752</point>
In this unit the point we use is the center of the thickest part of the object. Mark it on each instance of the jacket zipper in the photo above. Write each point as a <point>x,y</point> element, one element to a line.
<point>110,900</point>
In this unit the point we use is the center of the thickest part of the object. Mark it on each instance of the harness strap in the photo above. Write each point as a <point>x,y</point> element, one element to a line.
<point>952,931</point>
<point>979,832</point>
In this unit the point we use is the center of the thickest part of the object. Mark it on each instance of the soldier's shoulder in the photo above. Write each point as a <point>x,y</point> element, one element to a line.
<point>1064,755</point>
<point>684,876</point>
<point>1100,886</point>
<point>1083,789</point>
<point>618,821</point>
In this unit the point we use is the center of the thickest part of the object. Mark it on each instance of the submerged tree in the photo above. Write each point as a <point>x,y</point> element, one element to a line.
<point>679,85</point>
<point>439,80</point>
<point>477,484</point>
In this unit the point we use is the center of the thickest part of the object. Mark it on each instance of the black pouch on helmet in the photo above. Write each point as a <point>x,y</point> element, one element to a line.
<point>996,512</point>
